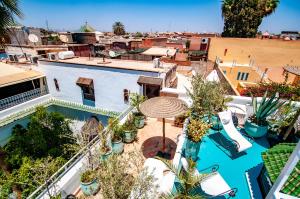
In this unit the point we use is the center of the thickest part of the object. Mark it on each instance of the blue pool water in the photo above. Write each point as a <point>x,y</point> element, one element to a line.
<point>73,114</point>
<point>231,167</point>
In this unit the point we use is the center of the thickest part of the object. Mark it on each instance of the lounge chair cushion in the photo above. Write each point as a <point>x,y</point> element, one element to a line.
<point>233,133</point>
<point>214,184</point>
<point>225,121</point>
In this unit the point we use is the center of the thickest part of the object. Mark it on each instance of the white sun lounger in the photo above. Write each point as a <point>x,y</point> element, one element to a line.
<point>232,132</point>
<point>212,185</point>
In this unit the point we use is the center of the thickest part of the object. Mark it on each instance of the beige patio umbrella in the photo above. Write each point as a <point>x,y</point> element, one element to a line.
<point>163,107</point>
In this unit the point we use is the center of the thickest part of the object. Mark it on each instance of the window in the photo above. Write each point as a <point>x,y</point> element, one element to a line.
<point>88,92</point>
<point>87,87</point>
<point>246,77</point>
<point>242,77</point>
<point>56,84</point>
<point>126,96</point>
<point>238,76</point>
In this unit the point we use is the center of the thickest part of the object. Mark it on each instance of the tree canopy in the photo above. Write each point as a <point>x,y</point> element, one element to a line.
<point>34,153</point>
<point>243,17</point>
<point>8,11</point>
<point>118,28</point>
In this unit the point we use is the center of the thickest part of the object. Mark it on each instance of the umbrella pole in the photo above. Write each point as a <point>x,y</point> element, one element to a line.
<point>164,136</point>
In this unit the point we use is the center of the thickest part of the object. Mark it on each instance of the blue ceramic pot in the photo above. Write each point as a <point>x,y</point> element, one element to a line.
<point>192,149</point>
<point>90,188</point>
<point>129,136</point>
<point>118,146</point>
<point>106,155</point>
<point>255,130</point>
<point>139,122</point>
<point>214,121</point>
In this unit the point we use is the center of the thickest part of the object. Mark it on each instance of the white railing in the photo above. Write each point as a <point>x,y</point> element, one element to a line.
<point>22,97</point>
<point>41,192</point>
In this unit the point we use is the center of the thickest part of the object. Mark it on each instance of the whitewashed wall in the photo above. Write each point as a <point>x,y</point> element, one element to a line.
<point>108,83</point>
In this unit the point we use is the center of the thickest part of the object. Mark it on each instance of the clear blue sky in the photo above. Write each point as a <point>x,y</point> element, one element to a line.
<point>147,15</point>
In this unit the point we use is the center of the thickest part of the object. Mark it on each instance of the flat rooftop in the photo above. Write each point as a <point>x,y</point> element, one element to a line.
<point>118,63</point>
<point>160,51</point>
<point>10,75</point>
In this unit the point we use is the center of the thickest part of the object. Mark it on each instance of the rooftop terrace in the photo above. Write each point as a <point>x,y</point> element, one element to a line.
<point>120,64</point>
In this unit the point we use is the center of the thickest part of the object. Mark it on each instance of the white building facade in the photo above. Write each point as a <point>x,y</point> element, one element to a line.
<point>110,84</point>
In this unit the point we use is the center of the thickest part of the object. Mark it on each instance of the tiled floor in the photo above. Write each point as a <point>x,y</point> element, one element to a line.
<point>150,138</point>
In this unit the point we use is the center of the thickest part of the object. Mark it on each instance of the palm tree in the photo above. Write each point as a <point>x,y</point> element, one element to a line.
<point>226,7</point>
<point>189,182</point>
<point>269,6</point>
<point>243,17</point>
<point>118,28</point>
<point>8,10</point>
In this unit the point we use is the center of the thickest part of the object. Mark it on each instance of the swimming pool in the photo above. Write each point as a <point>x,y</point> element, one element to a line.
<point>231,166</point>
<point>77,116</point>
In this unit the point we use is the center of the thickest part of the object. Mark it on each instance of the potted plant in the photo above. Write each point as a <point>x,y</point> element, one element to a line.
<point>129,129</point>
<point>117,135</point>
<point>88,183</point>
<point>105,149</point>
<point>257,125</point>
<point>196,130</point>
<point>135,101</point>
<point>279,123</point>
<point>208,99</point>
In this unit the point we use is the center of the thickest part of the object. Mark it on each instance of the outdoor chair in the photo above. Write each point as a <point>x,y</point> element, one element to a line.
<point>240,142</point>
<point>213,185</point>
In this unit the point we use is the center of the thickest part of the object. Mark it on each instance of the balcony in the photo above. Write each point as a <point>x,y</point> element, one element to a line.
<point>21,98</point>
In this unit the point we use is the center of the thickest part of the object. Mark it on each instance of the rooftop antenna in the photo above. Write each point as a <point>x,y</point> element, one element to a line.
<point>47,25</point>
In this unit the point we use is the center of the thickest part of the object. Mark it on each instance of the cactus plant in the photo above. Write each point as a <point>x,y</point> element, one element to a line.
<point>264,109</point>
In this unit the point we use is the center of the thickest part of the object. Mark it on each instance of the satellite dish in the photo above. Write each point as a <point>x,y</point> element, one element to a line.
<point>64,38</point>
<point>33,38</point>
<point>112,53</point>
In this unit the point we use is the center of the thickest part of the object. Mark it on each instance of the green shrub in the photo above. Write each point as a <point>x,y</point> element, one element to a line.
<point>88,176</point>
<point>47,134</point>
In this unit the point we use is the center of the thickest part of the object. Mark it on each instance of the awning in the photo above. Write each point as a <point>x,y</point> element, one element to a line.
<point>84,81</point>
<point>150,80</point>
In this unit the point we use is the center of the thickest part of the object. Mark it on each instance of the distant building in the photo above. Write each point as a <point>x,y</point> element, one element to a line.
<point>84,37</point>
<point>19,53</point>
<point>157,41</point>
<point>292,35</point>
<point>266,35</point>
<point>240,76</point>
<point>198,49</point>
<point>158,52</point>
<point>125,44</point>
<point>19,35</point>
